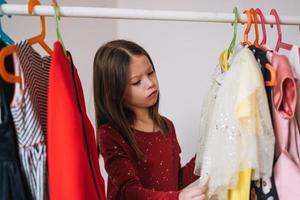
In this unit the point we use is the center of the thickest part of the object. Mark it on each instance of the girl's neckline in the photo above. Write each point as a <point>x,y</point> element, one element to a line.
<point>147,132</point>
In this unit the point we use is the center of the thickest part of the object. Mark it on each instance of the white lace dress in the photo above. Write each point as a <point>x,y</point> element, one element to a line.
<point>236,129</point>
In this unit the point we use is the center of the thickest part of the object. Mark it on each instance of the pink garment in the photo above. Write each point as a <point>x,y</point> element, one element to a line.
<point>294,58</point>
<point>287,145</point>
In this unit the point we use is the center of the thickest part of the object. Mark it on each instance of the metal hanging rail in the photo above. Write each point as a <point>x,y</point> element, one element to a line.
<point>138,14</point>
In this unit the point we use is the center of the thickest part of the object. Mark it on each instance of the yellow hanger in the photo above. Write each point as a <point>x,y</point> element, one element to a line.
<point>39,39</point>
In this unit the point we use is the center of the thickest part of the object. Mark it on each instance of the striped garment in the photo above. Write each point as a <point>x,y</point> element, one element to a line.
<point>29,110</point>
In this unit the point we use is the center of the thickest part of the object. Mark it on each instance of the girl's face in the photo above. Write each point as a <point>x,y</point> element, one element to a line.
<point>142,87</point>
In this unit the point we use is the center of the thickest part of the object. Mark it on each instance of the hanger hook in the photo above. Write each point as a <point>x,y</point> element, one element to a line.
<point>277,21</point>
<point>235,23</point>
<point>254,17</point>
<point>263,25</point>
<point>57,20</point>
<point>249,23</point>
<point>3,35</point>
<point>1,3</point>
<point>31,5</point>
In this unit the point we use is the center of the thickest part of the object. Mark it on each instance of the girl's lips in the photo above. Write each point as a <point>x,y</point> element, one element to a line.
<point>152,93</point>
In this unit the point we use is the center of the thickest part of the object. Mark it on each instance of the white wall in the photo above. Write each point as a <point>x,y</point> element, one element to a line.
<point>184,53</point>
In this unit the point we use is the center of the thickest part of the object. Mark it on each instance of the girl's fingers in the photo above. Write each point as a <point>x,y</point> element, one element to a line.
<point>201,197</point>
<point>198,191</point>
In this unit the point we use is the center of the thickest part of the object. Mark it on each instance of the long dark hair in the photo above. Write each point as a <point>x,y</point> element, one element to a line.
<point>110,77</point>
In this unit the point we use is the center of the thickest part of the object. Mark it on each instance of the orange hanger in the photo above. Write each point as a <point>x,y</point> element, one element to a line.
<point>254,17</point>
<point>263,26</point>
<point>268,66</point>
<point>11,78</point>
<point>251,15</point>
<point>273,80</point>
<point>251,18</point>
<point>41,37</point>
<point>279,43</point>
<point>249,23</point>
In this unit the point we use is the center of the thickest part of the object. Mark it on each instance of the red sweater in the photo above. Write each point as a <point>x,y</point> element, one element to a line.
<point>159,176</point>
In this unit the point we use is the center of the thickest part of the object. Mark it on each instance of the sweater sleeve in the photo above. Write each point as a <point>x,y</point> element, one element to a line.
<point>120,169</point>
<point>186,174</point>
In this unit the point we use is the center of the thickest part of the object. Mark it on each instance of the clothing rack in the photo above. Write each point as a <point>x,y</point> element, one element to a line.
<point>138,14</point>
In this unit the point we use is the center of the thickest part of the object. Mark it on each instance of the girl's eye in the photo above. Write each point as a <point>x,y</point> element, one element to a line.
<point>136,83</point>
<point>150,73</point>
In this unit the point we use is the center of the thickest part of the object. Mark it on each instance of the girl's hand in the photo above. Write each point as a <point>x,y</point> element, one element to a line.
<point>193,193</point>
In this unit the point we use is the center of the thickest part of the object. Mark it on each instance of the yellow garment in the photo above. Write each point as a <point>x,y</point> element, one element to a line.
<point>242,190</point>
<point>247,110</point>
<point>223,60</point>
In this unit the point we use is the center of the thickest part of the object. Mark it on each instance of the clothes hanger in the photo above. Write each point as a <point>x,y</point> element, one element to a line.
<point>227,53</point>
<point>273,80</point>
<point>279,43</point>
<point>39,39</point>
<point>254,17</point>
<point>235,23</point>
<point>268,66</point>
<point>263,25</point>
<point>249,23</point>
<point>3,35</point>
<point>251,18</point>
<point>57,21</point>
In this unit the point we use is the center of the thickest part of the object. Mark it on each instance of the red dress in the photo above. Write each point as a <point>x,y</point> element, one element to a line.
<point>159,176</point>
<point>73,166</point>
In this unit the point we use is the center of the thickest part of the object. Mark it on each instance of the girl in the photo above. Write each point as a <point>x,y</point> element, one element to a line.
<point>139,146</point>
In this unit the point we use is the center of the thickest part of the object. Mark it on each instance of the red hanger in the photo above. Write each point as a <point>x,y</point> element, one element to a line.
<point>279,43</point>
<point>263,26</point>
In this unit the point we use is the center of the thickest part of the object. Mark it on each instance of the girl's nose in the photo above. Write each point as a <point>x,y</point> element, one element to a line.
<point>149,82</point>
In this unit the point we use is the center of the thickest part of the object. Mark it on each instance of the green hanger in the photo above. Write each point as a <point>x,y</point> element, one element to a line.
<point>233,41</point>
<point>57,20</point>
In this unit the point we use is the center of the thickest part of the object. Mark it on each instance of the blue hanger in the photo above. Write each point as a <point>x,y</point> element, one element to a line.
<point>3,35</point>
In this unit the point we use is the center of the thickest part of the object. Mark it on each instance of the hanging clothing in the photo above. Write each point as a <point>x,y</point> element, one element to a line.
<point>28,108</point>
<point>36,75</point>
<point>31,140</point>
<point>8,87</point>
<point>242,188</point>
<point>13,184</point>
<point>261,57</point>
<point>287,146</point>
<point>207,110</point>
<point>158,176</point>
<point>294,59</point>
<point>241,131</point>
<point>73,165</point>
<point>263,189</point>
